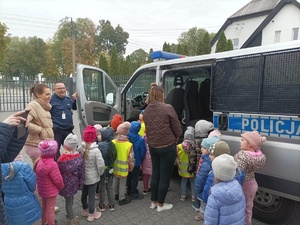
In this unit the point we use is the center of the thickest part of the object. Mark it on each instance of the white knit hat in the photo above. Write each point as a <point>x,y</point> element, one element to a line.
<point>71,142</point>
<point>203,127</point>
<point>224,167</point>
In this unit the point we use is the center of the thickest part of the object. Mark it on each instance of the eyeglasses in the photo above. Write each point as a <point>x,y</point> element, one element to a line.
<point>61,88</point>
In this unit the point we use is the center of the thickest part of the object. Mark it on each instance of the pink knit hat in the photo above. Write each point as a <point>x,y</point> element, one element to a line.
<point>254,139</point>
<point>89,134</point>
<point>123,128</point>
<point>48,148</point>
<point>215,133</point>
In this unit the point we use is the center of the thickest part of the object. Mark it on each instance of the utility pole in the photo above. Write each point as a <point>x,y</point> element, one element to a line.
<point>73,48</point>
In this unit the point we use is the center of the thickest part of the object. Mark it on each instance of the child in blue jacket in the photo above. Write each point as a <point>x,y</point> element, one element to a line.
<point>139,149</point>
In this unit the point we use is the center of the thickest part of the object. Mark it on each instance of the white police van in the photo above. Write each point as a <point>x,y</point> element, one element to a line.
<point>242,90</point>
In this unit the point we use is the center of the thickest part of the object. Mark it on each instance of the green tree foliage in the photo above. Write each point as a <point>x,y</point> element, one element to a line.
<point>127,69</point>
<point>229,45</point>
<point>149,60</point>
<point>166,47</point>
<point>25,56</point>
<point>4,41</point>
<point>108,37</point>
<point>222,43</point>
<point>204,45</point>
<point>138,58</point>
<point>189,41</point>
<point>50,70</point>
<point>114,64</point>
<point>103,62</point>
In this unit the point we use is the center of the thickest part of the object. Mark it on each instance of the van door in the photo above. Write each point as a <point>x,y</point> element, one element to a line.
<point>98,96</point>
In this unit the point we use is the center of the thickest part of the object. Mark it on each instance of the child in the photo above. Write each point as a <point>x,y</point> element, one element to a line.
<point>115,122</point>
<point>94,168</point>
<point>146,168</point>
<point>71,167</point>
<point>49,179</point>
<point>182,158</point>
<point>18,186</point>
<point>202,129</point>
<point>143,127</point>
<point>98,138</point>
<point>226,203</point>
<point>109,154</point>
<point>124,162</point>
<point>204,169</point>
<point>139,149</point>
<point>250,159</point>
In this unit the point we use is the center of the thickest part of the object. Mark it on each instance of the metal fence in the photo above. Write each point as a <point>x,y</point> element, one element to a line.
<point>14,94</point>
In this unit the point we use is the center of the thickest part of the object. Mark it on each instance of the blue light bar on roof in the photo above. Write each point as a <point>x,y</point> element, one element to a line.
<point>162,55</point>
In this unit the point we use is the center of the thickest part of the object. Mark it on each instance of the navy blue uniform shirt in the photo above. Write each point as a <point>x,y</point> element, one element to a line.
<point>62,106</point>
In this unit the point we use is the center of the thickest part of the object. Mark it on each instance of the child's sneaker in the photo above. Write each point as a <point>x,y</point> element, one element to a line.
<point>183,198</point>
<point>145,192</point>
<point>97,196</point>
<point>102,208</point>
<point>94,216</point>
<point>196,205</point>
<point>153,205</point>
<point>111,207</point>
<point>74,220</point>
<point>84,212</point>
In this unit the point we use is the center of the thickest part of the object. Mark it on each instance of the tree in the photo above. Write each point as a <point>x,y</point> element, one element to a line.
<point>229,45</point>
<point>84,32</point>
<point>108,37</point>
<point>149,60</point>
<point>103,62</point>
<point>189,41</point>
<point>138,58</point>
<point>50,70</point>
<point>204,45</point>
<point>114,64</point>
<point>222,43</point>
<point>4,41</point>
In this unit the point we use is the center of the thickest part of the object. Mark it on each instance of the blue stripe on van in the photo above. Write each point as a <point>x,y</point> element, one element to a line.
<point>276,126</point>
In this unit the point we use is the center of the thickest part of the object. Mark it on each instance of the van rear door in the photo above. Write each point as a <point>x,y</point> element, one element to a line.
<point>98,96</point>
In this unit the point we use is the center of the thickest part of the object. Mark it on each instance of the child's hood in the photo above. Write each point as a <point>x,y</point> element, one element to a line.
<point>107,134</point>
<point>228,192</point>
<point>44,166</point>
<point>135,127</point>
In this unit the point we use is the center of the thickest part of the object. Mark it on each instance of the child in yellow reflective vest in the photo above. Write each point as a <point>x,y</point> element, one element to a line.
<point>183,159</point>
<point>124,162</point>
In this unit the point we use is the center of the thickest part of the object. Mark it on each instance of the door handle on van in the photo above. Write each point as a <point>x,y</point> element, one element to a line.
<point>223,121</point>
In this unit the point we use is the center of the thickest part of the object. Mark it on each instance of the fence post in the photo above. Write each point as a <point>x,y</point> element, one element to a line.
<point>23,87</point>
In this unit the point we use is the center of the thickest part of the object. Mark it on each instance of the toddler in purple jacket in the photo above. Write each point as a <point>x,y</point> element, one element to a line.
<point>71,166</point>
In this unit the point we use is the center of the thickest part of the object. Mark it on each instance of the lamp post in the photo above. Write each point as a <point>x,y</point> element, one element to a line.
<point>73,48</point>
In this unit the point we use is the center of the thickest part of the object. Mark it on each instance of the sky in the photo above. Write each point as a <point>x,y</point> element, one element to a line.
<point>149,23</point>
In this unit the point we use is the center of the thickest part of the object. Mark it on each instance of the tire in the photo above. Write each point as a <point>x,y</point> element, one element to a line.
<point>272,209</point>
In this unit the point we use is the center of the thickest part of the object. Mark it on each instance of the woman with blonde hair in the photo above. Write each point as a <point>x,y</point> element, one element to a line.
<point>163,131</point>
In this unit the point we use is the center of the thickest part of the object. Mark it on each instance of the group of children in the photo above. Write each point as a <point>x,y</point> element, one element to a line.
<point>222,187</point>
<point>109,160</point>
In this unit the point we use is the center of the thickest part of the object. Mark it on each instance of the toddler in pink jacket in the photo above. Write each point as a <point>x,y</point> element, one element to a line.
<point>48,178</point>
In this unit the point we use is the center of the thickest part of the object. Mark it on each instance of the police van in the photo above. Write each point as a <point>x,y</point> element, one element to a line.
<point>242,90</point>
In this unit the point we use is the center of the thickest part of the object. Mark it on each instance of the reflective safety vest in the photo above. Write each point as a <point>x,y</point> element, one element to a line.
<point>121,163</point>
<point>142,130</point>
<point>183,162</point>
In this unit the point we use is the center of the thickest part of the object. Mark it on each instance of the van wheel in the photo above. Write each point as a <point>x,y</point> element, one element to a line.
<point>272,209</point>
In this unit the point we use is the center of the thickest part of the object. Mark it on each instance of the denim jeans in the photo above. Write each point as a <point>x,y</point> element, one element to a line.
<point>183,185</point>
<point>88,191</point>
<point>132,182</point>
<point>163,160</point>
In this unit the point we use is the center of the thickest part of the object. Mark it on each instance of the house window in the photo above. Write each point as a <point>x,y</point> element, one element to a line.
<point>277,36</point>
<point>235,43</point>
<point>295,33</point>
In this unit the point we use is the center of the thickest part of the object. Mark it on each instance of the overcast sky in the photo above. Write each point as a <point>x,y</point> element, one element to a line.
<point>149,23</point>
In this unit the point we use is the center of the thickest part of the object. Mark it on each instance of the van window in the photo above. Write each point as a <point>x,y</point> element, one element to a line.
<point>93,85</point>
<point>265,83</point>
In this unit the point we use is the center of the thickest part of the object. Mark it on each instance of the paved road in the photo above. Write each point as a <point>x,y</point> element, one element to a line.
<point>138,211</point>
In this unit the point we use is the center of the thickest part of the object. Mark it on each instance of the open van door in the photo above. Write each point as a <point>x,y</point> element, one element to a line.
<point>98,96</point>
